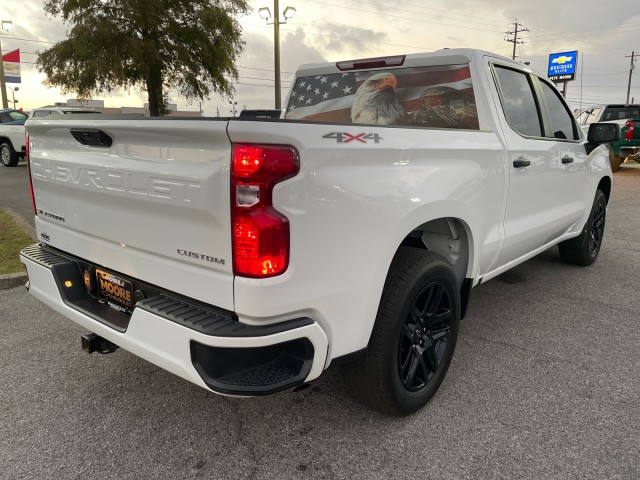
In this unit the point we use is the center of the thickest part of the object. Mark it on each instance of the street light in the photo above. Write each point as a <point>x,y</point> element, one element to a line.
<point>13,95</point>
<point>265,14</point>
<point>8,26</point>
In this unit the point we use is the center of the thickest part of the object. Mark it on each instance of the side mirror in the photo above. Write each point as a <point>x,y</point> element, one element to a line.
<point>603,133</point>
<point>600,133</point>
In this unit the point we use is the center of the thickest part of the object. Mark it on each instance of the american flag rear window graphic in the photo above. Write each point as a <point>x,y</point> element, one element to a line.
<point>434,97</point>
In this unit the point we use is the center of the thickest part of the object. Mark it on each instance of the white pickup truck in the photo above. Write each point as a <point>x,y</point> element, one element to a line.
<point>249,255</point>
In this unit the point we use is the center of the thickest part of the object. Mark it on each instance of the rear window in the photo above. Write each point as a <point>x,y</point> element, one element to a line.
<point>430,97</point>
<point>621,113</point>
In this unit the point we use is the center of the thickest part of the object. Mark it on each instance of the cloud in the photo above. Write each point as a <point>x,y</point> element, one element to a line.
<point>341,39</point>
<point>332,30</point>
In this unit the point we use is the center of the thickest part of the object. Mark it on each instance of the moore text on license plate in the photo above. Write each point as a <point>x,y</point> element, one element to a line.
<point>117,291</point>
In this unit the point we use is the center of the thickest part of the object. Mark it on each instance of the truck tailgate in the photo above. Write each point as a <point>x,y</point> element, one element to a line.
<point>145,198</point>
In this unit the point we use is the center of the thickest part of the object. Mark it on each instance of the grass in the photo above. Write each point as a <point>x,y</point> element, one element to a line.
<point>13,238</point>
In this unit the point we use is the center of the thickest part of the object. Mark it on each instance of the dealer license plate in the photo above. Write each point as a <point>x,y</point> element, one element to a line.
<point>117,291</point>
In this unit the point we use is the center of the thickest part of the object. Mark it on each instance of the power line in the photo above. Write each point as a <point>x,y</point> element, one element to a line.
<point>336,36</point>
<point>29,40</point>
<point>387,15</point>
<point>493,22</point>
<point>450,12</point>
<point>582,30</point>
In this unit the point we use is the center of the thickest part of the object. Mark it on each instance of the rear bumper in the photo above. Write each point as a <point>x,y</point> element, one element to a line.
<point>630,152</point>
<point>199,343</point>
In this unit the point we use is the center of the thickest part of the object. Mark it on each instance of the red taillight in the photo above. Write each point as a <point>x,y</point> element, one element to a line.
<point>260,233</point>
<point>631,130</point>
<point>26,153</point>
<point>247,159</point>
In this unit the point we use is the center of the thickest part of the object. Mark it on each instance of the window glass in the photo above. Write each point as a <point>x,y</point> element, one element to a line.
<point>17,115</point>
<point>621,113</point>
<point>561,119</point>
<point>431,97</point>
<point>41,113</point>
<point>518,102</point>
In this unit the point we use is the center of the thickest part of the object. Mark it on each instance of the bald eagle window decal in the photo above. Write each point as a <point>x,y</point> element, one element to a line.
<point>431,97</point>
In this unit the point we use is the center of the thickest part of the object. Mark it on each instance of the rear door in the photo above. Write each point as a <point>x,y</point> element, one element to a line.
<point>546,161</point>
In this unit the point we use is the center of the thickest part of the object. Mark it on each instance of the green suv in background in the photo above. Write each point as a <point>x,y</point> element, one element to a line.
<point>627,116</point>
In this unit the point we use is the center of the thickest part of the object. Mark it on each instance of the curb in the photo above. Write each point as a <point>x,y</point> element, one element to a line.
<point>12,280</point>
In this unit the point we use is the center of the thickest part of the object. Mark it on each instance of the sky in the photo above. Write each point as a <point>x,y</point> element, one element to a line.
<point>604,32</point>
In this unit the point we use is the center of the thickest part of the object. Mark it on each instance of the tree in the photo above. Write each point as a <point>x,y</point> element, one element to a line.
<point>187,45</point>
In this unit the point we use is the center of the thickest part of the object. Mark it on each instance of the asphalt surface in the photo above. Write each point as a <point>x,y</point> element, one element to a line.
<point>14,190</point>
<point>545,383</point>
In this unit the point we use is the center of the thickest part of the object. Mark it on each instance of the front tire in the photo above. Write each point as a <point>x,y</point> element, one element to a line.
<point>8,155</point>
<point>414,335</point>
<point>583,250</point>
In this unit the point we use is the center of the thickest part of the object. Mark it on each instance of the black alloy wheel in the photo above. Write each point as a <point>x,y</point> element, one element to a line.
<point>584,249</point>
<point>424,336</point>
<point>414,335</point>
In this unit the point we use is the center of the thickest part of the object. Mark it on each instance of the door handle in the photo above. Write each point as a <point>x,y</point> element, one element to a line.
<point>567,159</point>
<point>521,162</point>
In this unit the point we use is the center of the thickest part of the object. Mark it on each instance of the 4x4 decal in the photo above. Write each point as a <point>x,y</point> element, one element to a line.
<point>344,137</point>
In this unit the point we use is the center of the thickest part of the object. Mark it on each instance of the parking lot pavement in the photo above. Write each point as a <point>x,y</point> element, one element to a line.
<point>14,190</point>
<point>544,384</point>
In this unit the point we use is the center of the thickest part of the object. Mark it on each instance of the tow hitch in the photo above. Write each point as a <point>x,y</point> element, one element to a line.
<point>94,343</point>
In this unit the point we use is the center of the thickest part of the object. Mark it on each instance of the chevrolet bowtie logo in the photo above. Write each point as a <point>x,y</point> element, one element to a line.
<point>562,59</point>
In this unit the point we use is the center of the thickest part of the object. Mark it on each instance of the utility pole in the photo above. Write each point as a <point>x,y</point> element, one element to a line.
<point>515,40</point>
<point>3,84</point>
<point>633,64</point>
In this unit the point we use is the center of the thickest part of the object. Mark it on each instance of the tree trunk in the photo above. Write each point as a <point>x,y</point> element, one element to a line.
<point>154,91</point>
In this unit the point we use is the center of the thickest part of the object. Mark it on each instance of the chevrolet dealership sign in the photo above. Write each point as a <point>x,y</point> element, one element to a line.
<point>562,66</point>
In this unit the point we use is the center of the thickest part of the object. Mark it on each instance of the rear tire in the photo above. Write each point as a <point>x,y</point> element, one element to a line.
<point>583,250</point>
<point>414,335</point>
<point>8,155</point>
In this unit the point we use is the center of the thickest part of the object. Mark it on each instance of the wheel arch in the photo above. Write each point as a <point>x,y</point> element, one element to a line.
<point>452,238</point>
<point>435,221</point>
<point>605,186</point>
<point>4,139</point>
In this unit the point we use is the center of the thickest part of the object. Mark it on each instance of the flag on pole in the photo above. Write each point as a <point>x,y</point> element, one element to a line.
<point>11,63</point>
